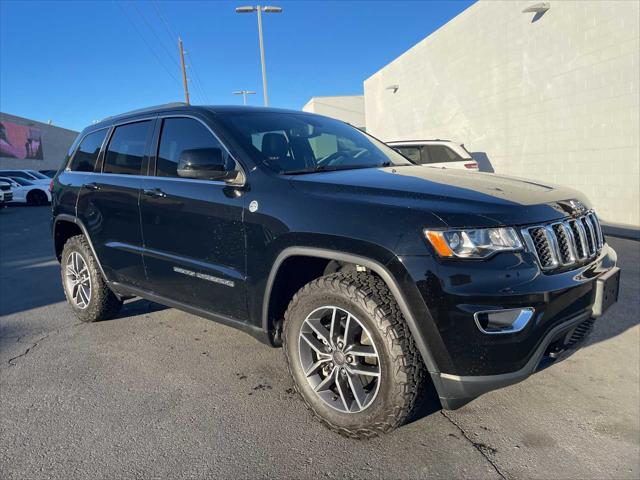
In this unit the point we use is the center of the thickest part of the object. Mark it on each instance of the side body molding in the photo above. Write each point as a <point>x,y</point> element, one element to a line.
<point>373,265</point>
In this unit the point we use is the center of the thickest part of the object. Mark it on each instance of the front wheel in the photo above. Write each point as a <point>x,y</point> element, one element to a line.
<point>351,355</point>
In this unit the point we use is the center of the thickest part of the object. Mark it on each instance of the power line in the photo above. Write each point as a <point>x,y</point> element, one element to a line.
<point>164,21</point>
<point>160,42</point>
<point>148,45</point>
<point>198,81</point>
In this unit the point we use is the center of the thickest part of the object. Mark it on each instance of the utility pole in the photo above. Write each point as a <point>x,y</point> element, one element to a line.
<point>184,72</point>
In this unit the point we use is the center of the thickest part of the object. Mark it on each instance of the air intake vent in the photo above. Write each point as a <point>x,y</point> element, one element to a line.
<point>566,243</point>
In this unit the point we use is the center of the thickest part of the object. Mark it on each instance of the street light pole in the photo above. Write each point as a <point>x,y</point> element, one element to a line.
<point>262,62</point>
<point>259,9</point>
<point>244,94</point>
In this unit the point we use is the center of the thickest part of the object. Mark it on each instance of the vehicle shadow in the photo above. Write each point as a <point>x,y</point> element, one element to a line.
<point>482,159</point>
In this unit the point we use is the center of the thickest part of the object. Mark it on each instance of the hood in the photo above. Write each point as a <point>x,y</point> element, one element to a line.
<point>458,198</point>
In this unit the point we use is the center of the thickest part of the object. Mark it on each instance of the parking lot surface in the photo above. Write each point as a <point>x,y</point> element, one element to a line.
<point>157,393</point>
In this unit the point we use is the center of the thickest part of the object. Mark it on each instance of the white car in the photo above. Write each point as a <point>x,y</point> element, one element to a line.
<point>25,191</point>
<point>7,193</point>
<point>31,175</point>
<point>436,153</point>
<point>2,205</point>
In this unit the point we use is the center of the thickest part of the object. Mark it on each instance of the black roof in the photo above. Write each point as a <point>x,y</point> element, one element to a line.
<point>183,107</point>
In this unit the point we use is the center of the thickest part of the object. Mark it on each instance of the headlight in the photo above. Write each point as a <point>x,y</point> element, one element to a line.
<point>473,243</point>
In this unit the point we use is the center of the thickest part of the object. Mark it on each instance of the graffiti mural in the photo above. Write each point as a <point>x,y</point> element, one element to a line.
<point>20,141</point>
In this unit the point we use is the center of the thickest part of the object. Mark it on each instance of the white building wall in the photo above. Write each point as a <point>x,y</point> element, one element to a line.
<point>348,108</point>
<point>554,99</point>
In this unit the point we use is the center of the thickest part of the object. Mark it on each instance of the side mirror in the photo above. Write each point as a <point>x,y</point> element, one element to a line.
<point>205,164</point>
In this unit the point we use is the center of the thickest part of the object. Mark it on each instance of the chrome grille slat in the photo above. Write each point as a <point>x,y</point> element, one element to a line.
<point>565,243</point>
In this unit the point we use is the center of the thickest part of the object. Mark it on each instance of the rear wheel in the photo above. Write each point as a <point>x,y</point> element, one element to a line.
<point>85,289</point>
<point>37,197</point>
<point>351,355</point>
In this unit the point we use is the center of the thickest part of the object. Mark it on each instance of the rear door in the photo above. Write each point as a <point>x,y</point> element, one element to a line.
<point>443,157</point>
<point>193,229</point>
<point>108,201</point>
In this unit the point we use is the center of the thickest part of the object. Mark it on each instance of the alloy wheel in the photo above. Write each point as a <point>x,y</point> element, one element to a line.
<point>78,280</point>
<point>339,359</point>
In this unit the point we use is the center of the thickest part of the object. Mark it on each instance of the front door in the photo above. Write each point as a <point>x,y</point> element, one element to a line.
<point>108,203</point>
<point>193,229</point>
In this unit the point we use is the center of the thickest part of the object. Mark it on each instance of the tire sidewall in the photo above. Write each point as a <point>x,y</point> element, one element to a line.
<point>378,410</point>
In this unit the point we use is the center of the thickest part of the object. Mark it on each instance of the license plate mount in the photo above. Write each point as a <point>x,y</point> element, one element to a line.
<point>607,288</point>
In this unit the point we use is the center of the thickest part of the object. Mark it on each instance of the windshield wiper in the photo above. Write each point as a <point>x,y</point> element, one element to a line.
<point>328,168</point>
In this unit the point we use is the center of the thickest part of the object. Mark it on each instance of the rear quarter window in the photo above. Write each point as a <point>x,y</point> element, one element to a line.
<point>86,156</point>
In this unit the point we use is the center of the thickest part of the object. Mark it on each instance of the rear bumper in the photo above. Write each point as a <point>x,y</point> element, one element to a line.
<point>562,340</point>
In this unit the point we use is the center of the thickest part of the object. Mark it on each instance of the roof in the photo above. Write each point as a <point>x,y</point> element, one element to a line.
<point>183,107</point>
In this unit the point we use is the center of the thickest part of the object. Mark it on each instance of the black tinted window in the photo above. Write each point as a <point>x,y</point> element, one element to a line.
<point>180,134</point>
<point>442,154</point>
<point>86,156</point>
<point>126,149</point>
<point>412,153</point>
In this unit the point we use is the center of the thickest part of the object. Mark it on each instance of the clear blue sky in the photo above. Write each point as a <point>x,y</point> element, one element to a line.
<point>75,62</point>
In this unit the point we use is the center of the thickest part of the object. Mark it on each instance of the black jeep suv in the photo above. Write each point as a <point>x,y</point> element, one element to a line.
<point>307,233</point>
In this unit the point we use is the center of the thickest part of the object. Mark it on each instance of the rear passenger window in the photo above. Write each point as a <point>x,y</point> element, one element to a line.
<point>86,155</point>
<point>180,134</point>
<point>442,154</point>
<point>126,148</point>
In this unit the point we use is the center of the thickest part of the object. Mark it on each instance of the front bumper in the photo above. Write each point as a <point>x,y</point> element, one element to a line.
<point>472,362</point>
<point>455,391</point>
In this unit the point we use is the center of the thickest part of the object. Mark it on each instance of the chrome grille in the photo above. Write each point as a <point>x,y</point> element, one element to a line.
<point>565,243</point>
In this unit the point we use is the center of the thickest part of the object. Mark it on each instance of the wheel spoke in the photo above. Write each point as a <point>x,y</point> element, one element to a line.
<point>320,330</point>
<point>314,343</point>
<point>326,382</point>
<point>314,368</point>
<point>356,389</point>
<point>363,351</point>
<point>367,371</point>
<point>84,295</point>
<point>70,270</point>
<point>332,330</point>
<point>347,331</point>
<point>340,391</point>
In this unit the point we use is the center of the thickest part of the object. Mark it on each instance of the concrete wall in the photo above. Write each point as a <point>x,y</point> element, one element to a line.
<point>348,108</point>
<point>553,98</point>
<point>55,145</point>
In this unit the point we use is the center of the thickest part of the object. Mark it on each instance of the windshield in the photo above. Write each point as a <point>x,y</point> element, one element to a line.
<point>291,143</point>
<point>38,174</point>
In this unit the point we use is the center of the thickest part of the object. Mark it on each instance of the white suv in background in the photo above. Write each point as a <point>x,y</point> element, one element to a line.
<point>436,153</point>
<point>31,175</point>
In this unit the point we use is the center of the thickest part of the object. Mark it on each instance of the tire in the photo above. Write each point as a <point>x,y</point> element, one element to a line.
<point>399,365</point>
<point>37,197</point>
<point>97,302</point>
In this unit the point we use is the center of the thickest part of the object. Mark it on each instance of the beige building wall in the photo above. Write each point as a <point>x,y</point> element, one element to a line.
<point>348,108</point>
<point>553,98</point>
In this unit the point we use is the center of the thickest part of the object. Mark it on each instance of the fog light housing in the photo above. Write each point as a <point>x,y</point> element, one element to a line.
<point>497,322</point>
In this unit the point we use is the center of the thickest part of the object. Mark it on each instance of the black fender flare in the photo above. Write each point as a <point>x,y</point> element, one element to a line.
<point>70,218</point>
<point>369,263</point>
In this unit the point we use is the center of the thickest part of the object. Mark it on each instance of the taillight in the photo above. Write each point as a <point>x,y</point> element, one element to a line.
<point>51,186</point>
<point>471,165</point>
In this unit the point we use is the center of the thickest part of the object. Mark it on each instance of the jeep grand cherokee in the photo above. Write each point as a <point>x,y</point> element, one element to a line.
<point>374,274</point>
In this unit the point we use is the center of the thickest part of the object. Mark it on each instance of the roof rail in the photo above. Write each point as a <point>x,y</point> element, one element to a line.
<point>148,109</point>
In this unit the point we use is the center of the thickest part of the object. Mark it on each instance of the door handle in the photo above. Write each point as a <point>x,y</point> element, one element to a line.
<point>91,186</point>
<point>154,192</point>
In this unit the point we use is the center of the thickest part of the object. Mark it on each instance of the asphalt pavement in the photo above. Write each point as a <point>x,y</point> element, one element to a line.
<point>157,393</point>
